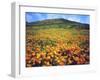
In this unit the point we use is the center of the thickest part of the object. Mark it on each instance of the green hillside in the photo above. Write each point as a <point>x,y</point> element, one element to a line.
<point>58,23</point>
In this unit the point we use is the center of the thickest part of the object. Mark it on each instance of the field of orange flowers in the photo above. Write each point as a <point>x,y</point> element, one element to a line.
<point>56,46</point>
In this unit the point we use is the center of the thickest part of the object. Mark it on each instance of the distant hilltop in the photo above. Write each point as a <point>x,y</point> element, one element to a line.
<point>61,22</point>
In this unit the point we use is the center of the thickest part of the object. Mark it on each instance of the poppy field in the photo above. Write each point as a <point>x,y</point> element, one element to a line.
<point>56,46</point>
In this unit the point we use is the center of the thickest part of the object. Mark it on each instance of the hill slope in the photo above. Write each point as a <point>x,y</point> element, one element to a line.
<point>59,22</point>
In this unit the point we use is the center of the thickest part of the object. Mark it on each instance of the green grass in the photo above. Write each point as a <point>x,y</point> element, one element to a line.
<point>56,34</point>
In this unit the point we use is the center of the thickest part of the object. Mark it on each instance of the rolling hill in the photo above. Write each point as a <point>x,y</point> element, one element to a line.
<point>58,23</point>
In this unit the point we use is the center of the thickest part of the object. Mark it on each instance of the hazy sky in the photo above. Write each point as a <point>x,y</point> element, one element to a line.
<point>31,17</point>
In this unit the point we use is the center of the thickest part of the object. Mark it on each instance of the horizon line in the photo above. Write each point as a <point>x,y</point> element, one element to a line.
<point>57,18</point>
